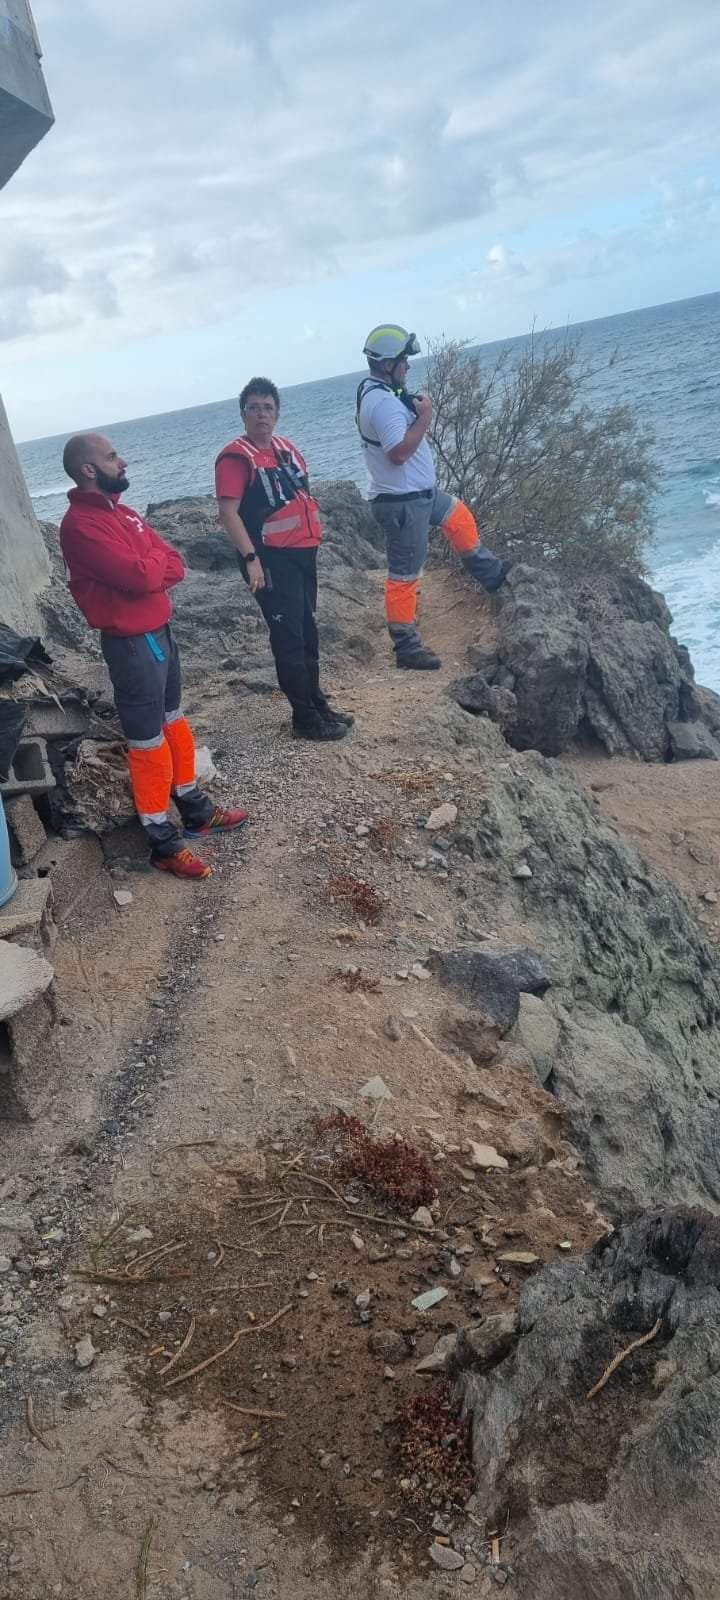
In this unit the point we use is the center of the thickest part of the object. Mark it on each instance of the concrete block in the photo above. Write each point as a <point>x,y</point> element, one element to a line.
<point>27,834</point>
<point>27,919</point>
<point>27,1016</point>
<point>30,772</point>
<point>45,719</point>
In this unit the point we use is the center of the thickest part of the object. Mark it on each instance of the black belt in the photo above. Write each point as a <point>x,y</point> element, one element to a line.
<point>417,494</point>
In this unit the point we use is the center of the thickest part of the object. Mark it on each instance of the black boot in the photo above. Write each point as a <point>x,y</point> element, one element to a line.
<point>418,660</point>
<point>331,715</point>
<point>319,728</point>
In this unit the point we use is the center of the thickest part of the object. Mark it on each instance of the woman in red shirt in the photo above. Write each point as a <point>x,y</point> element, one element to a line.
<point>268,512</point>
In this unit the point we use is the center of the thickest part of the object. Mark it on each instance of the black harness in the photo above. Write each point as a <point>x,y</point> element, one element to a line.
<point>271,489</point>
<point>367,385</point>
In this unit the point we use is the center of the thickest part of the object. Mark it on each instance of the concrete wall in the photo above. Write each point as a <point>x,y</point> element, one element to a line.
<point>24,566</point>
<point>25,110</point>
<point>25,115</point>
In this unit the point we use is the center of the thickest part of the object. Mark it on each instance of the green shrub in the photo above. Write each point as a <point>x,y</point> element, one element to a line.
<point>550,478</point>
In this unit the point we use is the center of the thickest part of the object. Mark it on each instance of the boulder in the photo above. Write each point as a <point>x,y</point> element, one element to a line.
<point>615,1496</point>
<point>493,977</point>
<point>597,663</point>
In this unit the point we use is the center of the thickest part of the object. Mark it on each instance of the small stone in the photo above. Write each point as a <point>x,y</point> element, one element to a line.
<point>437,1358</point>
<point>375,1089</point>
<point>445,1558</point>
<point>423,1218</point>
<point>523,871</point>
<point>362,830</point>
<point>362,1300</point>
<point>499,1575</point>
<point>164,1316</point>
<point>442,817</point>
<point>219,938</point>
<point>710,896</point>
<point>677,838</point>
<point>518,1258</point>
<point>565,1244</point>
<point>392,1029</point>
<point>357,1242</point>
<point>326,1463</point>
<point>418,970</point>
<point>99,1310</point>
<point>66,1302</point>
<point>312,1277</point>
<point>138,1235</point>
<point>431,1297</point>
<point>5,1264</point>
<point>486,1157</point>
<point>389,1345</point>
<point>85,1352</point>
<point>402,974</point>
<point>378,1475</point>
<point>122,897</point>
<point>455,1268</point>
<point>468,1573</point>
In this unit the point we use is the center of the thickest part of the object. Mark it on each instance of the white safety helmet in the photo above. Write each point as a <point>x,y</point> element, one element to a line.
<point>390,343</point>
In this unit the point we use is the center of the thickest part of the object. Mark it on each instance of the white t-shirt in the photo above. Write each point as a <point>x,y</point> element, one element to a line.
<point>384,417</point>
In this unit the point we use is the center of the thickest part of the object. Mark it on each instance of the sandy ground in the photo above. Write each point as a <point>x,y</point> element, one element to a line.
<point>204,1023</point>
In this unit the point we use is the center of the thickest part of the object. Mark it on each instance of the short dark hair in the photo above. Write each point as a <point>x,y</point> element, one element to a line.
<point>259,386</point>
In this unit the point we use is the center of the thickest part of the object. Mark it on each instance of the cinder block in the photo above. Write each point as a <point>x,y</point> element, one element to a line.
<point>45,719</point>
<point>27,919</point>
<point>30,772</point>
<point>27,834</point>
<point>27,1016</point>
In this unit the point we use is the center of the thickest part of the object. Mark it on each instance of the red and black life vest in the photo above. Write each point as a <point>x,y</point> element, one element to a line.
<point>277,507</point>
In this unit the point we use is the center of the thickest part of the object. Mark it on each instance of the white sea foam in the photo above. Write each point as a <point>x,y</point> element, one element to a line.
<point>692,590</point>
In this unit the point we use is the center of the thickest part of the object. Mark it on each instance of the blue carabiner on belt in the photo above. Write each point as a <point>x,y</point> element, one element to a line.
<point>155,648</point>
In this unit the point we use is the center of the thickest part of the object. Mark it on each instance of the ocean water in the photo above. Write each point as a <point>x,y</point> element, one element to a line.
<point>668,369</point>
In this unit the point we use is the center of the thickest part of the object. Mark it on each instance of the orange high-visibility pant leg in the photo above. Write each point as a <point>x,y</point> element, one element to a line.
<point>461,531</point>
<point>401,599</point>
<point>179,736</point>
<point>460,528</point>
<point>151,772</point>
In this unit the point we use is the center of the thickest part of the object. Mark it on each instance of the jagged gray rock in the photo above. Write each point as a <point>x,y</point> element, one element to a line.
<point>635,994</point>
<point>493,977</point>
<point>602,667</point>
<point>614,1497</point>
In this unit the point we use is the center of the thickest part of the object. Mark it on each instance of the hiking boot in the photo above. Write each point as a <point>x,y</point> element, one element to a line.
<point>220,822</point>
<point>331,715</point>
<point>320,728</point>
<point>421,660</point>
<point>181,865</point>
<point>506,567</point>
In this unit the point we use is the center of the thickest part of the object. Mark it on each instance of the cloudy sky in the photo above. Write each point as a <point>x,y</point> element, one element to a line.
<point>232,187</point>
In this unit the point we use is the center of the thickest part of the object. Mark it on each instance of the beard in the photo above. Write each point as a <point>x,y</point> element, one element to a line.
<point>108,485</point>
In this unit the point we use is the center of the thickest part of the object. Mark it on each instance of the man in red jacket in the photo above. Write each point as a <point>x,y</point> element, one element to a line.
<point>119,572</point>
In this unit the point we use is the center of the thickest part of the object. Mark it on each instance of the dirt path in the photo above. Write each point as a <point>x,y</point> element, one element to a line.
<point>202,1024</point>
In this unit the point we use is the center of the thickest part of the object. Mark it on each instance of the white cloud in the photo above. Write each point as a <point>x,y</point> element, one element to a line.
<point>206,150</point>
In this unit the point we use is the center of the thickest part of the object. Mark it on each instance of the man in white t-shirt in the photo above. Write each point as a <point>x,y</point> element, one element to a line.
<point>404,496</point>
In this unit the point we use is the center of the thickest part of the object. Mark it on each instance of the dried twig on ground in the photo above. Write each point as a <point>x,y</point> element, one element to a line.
<point>135,1327</point>
<point>32,1425</point>
<point>210,1361</point>
<point>251,1411</point>
<point>142,1565</point>
<point>622,1356</point>
<point>187,1341</point>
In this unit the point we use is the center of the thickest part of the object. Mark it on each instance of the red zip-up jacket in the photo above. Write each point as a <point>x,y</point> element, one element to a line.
<point>119,568</point>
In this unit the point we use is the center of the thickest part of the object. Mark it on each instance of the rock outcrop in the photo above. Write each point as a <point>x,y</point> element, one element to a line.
<point>613,1497</point>
<point>602,669</point>
<point>627,1035</point>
